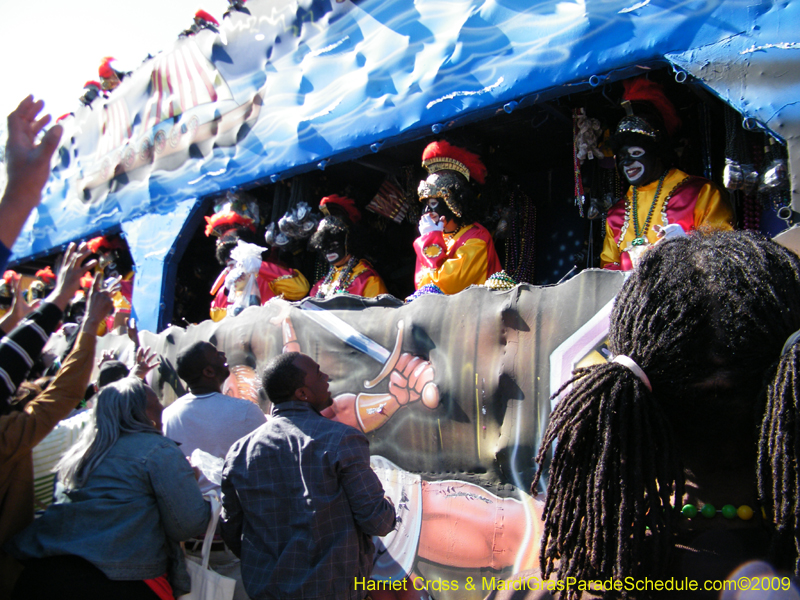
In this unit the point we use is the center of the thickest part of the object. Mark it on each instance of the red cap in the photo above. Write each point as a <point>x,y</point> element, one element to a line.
<point>92,83</point>
<point>87,280</point>
<point>106,70</point>
<point>347,204</point>
<point>441,155</point>
<point>103,244</point>
<point>46,275</point>
<point>233,219</point>
<point>201,14</point>
<point>642,89</point>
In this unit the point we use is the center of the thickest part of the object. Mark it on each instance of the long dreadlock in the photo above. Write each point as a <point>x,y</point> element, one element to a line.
<point>699,310</point>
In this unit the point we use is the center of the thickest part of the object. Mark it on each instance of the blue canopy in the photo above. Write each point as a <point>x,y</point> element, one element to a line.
<point>296,86</point>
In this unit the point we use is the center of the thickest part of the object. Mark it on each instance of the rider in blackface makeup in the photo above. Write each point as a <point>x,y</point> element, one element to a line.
<point>453,251</point>
<point>659,194</point>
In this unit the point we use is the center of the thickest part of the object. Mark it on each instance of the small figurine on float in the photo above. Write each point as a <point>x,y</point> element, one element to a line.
<point>116,264</point>
<point>8,285</point>
<point>202,20</point>
<point>44,283</point>
<point>236,6</point>
<point>453,251</point>
<point>92,91</point>
<point>111,74</point>
<point>661,200</point>
<point>234,223</point>
<point>348,272</point>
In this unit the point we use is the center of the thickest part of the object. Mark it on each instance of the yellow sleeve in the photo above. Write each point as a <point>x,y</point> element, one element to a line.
<point>467,267</point>
<point>217,314</point>
<point>610,252</point>
<point>374,287</point>
<point>293,288</point>
<point>120,302</point>
<point>713,209</point>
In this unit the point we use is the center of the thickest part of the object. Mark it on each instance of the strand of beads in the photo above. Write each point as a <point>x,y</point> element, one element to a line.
<point>729,511</point>
<point>520,242</point>
<point>640,237</point>
<point>341,284</point>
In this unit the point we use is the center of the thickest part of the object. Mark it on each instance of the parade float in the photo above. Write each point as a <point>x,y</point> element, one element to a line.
<point>351,91</point>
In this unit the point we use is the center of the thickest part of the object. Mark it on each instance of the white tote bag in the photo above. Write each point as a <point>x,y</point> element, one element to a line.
<point>206,583</point>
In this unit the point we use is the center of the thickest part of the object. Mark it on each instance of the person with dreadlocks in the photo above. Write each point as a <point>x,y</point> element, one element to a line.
<point>348,272</point>
<point>453,251</point>
<point>680,457</point>
<point>659,195</point>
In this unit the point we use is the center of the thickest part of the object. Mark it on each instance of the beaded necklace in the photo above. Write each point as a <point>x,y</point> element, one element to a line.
<point>341,285</point>
<point>452,234</point>
<point>639,239</point>
<point>729,511</point>
<point>520,242</point>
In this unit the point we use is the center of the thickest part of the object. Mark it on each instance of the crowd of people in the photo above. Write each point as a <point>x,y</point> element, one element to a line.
<point>678,458</point>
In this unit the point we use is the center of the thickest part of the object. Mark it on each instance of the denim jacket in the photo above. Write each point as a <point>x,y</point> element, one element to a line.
<point>129,517</point>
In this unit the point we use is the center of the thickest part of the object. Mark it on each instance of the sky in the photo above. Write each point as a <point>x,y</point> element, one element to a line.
<point>51,48</point>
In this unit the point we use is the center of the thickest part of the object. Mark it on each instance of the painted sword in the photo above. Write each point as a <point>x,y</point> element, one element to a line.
<point>354,338</point>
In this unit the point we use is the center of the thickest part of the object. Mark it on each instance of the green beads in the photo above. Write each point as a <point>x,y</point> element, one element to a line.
<point>708,511</point>
<point>729,511</point>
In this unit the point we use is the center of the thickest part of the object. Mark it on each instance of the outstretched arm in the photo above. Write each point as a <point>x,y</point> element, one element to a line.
<point>28,164</point>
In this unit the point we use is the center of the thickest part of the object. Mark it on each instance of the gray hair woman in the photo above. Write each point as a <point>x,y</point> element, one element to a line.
<point>125,498</point>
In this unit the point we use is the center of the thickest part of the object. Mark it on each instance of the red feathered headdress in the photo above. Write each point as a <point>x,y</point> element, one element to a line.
<point>440,156</point>
<point>103,244</point>
<point>10,276</point>
<point>201,14</point>
<point>87,280</point>
<point>106,70</point>
<point>216,222</point>
<point>346,204</point>
<point>642,89</point>
<point>46,275</point>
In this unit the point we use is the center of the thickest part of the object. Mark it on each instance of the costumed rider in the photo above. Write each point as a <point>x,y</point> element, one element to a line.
<point>92,91</point>
<point>41,286</point>
<point>453,251</point>
<point>662,201</point>
<point>234,222</point>
<point>348,273</point>
<point>8,285</point>
<point>116,263</point>
<point>202,20</point>
<point>111,74</point>
<point>236,6</point>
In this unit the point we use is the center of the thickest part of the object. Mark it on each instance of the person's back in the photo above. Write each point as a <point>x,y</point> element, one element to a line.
<point>301,501</point>
<point>205,418</point>
<point>211,422</point>
<point>118,519</point>
<point>126,497</point>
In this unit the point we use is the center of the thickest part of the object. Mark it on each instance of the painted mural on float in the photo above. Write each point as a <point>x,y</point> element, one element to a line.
<point>453,393</point>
